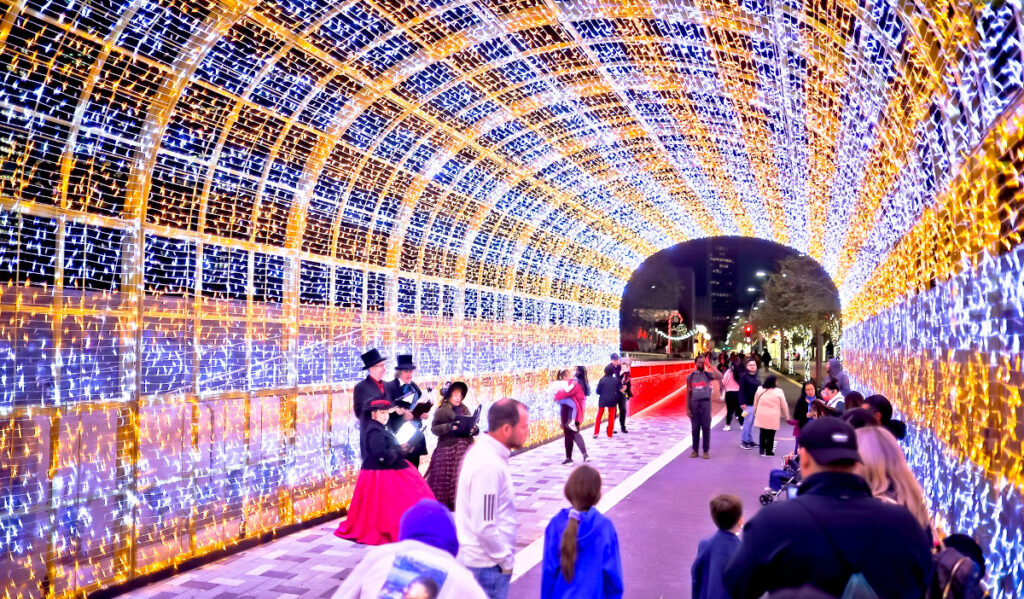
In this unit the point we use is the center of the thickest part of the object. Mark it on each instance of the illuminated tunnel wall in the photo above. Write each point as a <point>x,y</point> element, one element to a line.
<point>209,209</point>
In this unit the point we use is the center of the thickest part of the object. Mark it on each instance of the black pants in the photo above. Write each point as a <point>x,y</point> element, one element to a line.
<point>621,406</point>
<point>700,422</point>
<point>732,407</point>
<point>571,435</point>
<point>767,445</point>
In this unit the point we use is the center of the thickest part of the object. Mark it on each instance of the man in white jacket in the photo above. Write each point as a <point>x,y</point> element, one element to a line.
<point>421,563</point>
<point>485,509</point>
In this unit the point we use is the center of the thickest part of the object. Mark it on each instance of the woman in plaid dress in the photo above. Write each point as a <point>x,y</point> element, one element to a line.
<point>443,472</point>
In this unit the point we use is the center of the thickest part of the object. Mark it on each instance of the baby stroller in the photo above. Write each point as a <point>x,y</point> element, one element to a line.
<point>781,480</point>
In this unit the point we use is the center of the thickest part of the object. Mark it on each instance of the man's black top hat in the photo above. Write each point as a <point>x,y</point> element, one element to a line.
<point>405,362</point>
<point>372,358</point>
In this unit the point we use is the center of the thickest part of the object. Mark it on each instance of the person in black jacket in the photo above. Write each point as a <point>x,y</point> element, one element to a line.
<point>404,392</point>
<point>749,383</point>
<point>832,530</point>
<point>387,484</point>
<point>608,394</point>
<point>372,387</point>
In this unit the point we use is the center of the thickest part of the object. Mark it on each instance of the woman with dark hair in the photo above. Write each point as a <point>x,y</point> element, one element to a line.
<point>571,412</point>
<point>769,407</point>
<point>731,385</point>
<point>387,484</point>
<point>882,407</point>
<point>581,547</point>
<point>452,444</point>
<point>580,374</point>
<point>802,410</point>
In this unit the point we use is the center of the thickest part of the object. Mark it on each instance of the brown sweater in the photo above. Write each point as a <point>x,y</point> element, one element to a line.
<point>441,426</point>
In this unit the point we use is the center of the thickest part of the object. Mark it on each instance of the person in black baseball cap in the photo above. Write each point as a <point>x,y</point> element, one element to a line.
<point>832,530</point>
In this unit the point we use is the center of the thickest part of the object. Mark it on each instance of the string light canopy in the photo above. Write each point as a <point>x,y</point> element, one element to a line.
<point>209,209</point>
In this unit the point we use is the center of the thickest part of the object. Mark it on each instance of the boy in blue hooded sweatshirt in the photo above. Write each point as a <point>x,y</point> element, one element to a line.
<point>581,547</point>
<point>714,552</point>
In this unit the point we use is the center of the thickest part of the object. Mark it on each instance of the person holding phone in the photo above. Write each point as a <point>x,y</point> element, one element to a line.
<point>698,402</point>
<point>387,484</point>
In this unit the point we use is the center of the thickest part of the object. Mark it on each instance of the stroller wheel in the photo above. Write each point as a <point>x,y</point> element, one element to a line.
<point>766,498</point>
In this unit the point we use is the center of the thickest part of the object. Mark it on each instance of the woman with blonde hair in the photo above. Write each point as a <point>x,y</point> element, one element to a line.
<point>581,547</point>
<point>885,469</point>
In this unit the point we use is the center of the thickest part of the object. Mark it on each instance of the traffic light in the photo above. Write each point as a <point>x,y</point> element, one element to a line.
<point>748,330</point>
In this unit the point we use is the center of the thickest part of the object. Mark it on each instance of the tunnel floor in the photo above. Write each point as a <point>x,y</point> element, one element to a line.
<point>645,472</point>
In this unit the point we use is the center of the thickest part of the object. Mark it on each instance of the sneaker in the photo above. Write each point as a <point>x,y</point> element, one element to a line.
<point>746,446</point>
<point>727,428</point>
<point>567,462</point>
<point>766,455</point>
<point>596,436</point>
<point>706,456</point>
<point>694,454</point>
<point>586,458</point>
<point>623,431</point>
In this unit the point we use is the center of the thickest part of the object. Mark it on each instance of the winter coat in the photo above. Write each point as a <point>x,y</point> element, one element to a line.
<point>380,448</point>
<point>608,393</point>
<point>749,384</point>
<point>835,373</point>
<point>713,553</point>
<point>575,393</point>
<point>769,406</point>
<point>441,426</point>
<point>598,572</point>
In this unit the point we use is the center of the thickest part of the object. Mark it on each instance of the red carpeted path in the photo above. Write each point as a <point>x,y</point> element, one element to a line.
<point>672,405</point>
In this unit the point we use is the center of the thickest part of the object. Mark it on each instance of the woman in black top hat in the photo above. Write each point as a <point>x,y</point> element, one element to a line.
<point>387,484</point>
<point>443,472</point>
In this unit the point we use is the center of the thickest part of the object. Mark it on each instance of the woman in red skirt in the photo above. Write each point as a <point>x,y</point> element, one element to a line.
<point>387,484</point>
<point>443,472</point>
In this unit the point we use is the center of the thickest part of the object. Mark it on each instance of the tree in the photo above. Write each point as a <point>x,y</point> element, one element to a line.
<point>799,293</point>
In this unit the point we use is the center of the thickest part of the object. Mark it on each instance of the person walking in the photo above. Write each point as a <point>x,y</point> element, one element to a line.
<point>581,547</point>
<point>608,394</point>
<point>387,484</point>
<point>833,531</point>
<point>626,388</point>
<point>372,387</point>
<point>570,397</point>
<point>731,385</point>
<point>485,508</point>
<point>452,443</point>
<point>426,549</point>
<point>404,393</point>
<point>749,384</point>
<point>766,359</point>
<point>698,403</point>
<point>769,406</point>
<point>714,552</point>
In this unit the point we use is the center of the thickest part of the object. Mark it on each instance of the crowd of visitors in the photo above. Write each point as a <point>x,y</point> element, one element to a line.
<point>858,525</point>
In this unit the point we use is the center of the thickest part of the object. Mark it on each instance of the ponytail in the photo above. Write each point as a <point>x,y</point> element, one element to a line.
<point>569,547</point>
<point>583,490</point>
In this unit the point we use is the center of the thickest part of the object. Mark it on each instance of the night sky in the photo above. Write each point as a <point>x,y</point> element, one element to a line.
<point>667,267</point>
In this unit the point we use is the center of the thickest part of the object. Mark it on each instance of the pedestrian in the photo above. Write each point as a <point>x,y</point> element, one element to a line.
<point>626,387</point>
<point>766,359</point>
<point>608,393</point>
<point>568,394</point>
<point>769,406</point>
<point>853,400</point>
<point>372,387</point>
<point>616,363</point>
<point>405,394</point>
<point>802,410</point>
<point>832,402</point>
<point>387,484</point>
<point>833,533</point>
<point>698,403</point>
<point>731,385</point>
<point>723,362</point>
<point>834,372</point>
<point>884,467</point>
<point>452,443</point>
<point>883,410</point>
<point>581,547</point>
<point>749,384</point>
<point>425,551</point>
<point>485,508</point>
<point>714,552</point>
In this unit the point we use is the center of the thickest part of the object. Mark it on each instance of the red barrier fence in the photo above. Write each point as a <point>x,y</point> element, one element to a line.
<point>652,381</point>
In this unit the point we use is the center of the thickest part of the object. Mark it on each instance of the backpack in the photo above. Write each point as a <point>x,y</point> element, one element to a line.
<point>699,389</point>
<point>955,576</point>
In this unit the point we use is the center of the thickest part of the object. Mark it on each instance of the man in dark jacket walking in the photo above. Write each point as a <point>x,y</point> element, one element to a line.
<point>831,531</point>
<point>698,402</point>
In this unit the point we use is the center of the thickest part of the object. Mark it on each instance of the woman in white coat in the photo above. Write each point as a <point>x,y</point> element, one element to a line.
<point>769,408</point>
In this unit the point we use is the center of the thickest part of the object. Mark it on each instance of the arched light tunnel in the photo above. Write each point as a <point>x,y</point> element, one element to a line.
<point>210,208</point>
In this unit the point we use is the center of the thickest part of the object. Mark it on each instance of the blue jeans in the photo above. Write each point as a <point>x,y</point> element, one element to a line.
<point>492,581</point>
<point>748,426</point>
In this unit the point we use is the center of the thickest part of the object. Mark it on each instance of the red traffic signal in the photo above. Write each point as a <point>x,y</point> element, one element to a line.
<point>748,330</point>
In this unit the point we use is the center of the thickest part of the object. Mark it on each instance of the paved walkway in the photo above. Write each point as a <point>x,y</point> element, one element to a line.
<point>659,524</point>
